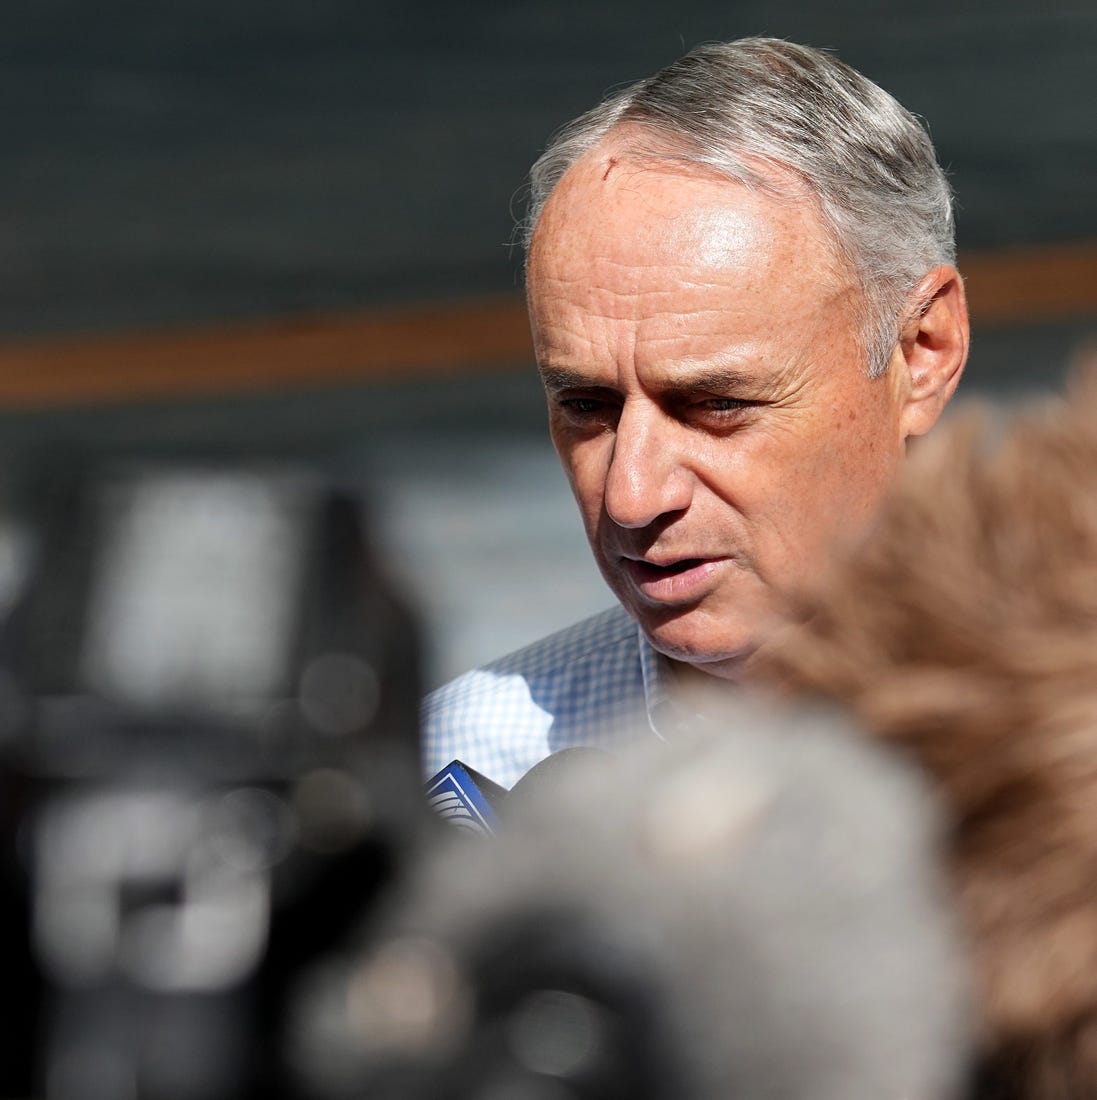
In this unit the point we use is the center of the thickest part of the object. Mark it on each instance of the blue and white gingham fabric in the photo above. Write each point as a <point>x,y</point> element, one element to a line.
<point>595,683</point>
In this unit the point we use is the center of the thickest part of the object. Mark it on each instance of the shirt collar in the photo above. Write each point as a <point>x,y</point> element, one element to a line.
<point>665,713</point>
<point>668,714</point>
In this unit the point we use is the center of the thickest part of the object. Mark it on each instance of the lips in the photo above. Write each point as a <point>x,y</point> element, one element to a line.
<point>646,570</point>
<point>680,580</point>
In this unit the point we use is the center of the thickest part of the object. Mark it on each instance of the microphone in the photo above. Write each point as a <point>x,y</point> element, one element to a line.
<point>559,768</point>
<point>464,798</point>
<point>752,909</point>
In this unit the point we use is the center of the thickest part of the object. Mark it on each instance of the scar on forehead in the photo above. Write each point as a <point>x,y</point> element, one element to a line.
<point>609,168</point>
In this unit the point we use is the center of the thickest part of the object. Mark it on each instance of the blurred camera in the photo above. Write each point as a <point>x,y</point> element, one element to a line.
<point>209,767</point>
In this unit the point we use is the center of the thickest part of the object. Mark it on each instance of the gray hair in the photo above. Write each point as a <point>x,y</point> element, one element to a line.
<point>757,109</point>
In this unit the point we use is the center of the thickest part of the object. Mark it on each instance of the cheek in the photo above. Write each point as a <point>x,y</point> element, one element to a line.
<point>869,443</point>
<point>753,470</point>
<point>585,465</point>
<point>857,461</point>
<point>812,472</point>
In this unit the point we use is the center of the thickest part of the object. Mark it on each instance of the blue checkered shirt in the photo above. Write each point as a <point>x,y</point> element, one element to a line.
<point>595,683</point>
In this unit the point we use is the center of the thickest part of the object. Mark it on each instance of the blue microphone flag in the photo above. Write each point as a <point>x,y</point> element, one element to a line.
<point>465,798</point>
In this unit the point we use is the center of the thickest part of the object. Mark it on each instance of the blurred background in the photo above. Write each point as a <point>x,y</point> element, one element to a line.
<point>284,228</point>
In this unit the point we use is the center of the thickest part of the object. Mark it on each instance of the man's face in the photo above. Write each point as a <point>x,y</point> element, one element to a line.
<point>707,396</point>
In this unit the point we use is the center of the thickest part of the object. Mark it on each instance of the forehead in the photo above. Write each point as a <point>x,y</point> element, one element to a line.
<point>623,185</point>
<point>670,245</point>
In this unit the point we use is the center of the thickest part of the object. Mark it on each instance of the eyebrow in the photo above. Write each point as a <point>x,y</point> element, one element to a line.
<point>560,378</point>
<point>716,379</point>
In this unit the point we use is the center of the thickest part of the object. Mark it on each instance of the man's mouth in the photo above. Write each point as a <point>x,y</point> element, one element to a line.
<point>642,570</point>
<point>674,582</point>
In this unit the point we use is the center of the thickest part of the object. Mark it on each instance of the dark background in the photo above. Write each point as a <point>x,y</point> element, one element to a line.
<point>215,159</point>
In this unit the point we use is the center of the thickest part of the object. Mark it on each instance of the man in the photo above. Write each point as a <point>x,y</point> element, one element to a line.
<point>743,300</point>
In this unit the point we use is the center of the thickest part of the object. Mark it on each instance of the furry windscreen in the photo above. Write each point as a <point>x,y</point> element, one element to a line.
<point>964,634</point>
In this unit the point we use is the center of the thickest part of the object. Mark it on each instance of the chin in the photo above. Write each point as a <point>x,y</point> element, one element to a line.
<point>725,657</point>
<point>721,645</point>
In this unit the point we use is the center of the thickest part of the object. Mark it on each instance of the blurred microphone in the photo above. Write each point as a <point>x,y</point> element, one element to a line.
<point>555,769</point>
<point>752,910</point>
<point>464,798</point>
<point>208,770</point>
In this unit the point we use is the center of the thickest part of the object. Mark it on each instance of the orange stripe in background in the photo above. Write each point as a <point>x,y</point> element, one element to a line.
<point>1029,285</point>
<point>1021,286</point>
<point>274,354</point>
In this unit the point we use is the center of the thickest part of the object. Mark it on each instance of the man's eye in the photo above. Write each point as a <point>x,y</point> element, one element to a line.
<point>588,413</point>
<point>721,413</point>
<point>723,406</point>
<point>582,406</point>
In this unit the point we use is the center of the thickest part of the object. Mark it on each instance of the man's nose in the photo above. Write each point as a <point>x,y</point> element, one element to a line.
<point>646,478</point>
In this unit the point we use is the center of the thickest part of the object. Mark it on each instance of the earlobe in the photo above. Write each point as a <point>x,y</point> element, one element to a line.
<point>933,346</point>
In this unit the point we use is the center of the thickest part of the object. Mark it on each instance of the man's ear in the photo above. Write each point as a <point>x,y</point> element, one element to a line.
<point>933,347</point>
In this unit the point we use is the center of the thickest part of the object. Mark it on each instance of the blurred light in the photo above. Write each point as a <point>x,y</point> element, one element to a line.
<point>210,941</point>
<point>557,1033</point>
<point>339,693</point>
<point>128,887</point>
<point>194,590</point>
<point>332,810</point>
<point>87,850</point>
<point>249,829</point>
<point>408,997</point>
